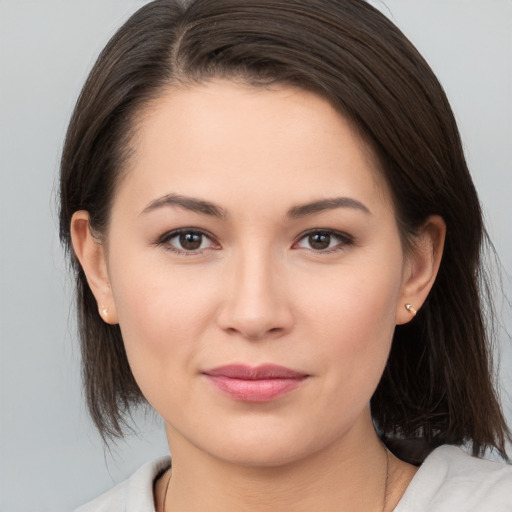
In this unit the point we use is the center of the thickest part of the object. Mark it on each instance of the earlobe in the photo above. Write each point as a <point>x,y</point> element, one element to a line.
<point>90,252</point>
<point>421,268</point>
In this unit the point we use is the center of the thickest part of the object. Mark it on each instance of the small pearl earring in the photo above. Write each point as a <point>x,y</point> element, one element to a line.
<point>410,309</point>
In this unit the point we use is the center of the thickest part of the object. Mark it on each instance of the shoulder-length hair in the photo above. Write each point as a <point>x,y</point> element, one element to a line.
<point>437,386</point>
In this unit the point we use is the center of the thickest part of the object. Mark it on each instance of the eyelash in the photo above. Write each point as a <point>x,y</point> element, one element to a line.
<point>164,241</point>
<point>344,240</point>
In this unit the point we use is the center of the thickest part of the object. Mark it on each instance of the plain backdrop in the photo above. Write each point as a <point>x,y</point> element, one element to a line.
<point>51,459</point>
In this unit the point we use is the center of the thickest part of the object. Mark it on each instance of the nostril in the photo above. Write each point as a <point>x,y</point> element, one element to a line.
<point>254,333</point>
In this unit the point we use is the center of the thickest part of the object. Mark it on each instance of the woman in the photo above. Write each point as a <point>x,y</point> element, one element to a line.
<point>276,241</point>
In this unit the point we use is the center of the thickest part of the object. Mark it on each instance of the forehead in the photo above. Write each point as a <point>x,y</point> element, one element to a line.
<point>219,140</point>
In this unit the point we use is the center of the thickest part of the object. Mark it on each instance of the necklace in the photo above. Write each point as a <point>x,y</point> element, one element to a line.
<point>166,489</point>
<point>384,500</point>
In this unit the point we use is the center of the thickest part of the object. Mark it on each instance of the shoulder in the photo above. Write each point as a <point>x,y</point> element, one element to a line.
<point>134,494</point>
<point>450,479</point>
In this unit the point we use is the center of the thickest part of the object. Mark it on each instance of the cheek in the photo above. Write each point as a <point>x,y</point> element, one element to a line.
<point>354,315</point>
<point>354,300</point>
<point>162,314</point>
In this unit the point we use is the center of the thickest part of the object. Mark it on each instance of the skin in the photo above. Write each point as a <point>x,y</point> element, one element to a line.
<point>257,291</point>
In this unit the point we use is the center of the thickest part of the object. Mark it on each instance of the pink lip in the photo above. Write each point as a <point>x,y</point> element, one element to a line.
<point>255,384</point>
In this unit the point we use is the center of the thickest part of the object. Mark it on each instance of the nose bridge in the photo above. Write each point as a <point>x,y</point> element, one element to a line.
<point>257,304</point>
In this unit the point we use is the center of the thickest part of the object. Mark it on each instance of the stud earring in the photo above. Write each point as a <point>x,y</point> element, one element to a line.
<point>410,309</point>
<point>104,311</point>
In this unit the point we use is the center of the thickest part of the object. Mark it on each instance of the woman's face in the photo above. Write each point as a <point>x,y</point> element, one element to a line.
<point>256,271</point>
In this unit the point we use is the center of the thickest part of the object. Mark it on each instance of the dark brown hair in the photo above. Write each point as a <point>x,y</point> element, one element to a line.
<point>437,386</point>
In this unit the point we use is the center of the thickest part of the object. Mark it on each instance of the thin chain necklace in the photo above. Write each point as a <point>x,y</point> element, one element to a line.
<point>384,500</point>
<point>166,489</point>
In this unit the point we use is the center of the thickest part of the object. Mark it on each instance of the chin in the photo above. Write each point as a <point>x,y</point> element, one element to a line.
<point>269,447</point>
<point>262,456</point>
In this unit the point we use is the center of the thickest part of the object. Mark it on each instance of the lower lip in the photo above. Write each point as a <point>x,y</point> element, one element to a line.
<point>258,390</point>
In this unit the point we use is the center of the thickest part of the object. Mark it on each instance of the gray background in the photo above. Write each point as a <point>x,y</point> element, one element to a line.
<point>51,459</point>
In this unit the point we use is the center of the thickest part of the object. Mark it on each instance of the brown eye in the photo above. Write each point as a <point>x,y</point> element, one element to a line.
<point>187,241</point>
<point>190,241</point>
<point>319,241</point>
<point>325,241</point>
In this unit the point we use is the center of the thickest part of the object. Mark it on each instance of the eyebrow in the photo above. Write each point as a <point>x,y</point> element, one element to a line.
<point>189,203</point>
<point>327,204</point>
<point>207,208</point>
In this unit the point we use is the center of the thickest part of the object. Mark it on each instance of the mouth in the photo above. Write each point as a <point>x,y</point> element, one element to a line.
<point>255,384</point>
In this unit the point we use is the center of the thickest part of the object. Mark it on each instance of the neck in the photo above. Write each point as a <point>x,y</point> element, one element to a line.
<point>350,475</point>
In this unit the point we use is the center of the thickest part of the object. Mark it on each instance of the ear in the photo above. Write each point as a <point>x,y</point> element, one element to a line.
<point>421,267</point>
<point>91,254</point>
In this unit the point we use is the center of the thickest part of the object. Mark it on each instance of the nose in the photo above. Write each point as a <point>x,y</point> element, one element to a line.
<point>256,304</point>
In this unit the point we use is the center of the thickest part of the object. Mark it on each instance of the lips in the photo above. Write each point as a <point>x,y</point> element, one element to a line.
<point>254,384</point>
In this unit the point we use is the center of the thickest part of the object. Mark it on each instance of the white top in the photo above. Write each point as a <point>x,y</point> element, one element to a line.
<point>448,481</point>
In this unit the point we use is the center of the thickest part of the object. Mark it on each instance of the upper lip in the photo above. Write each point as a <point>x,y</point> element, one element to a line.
<point>261,372</point>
